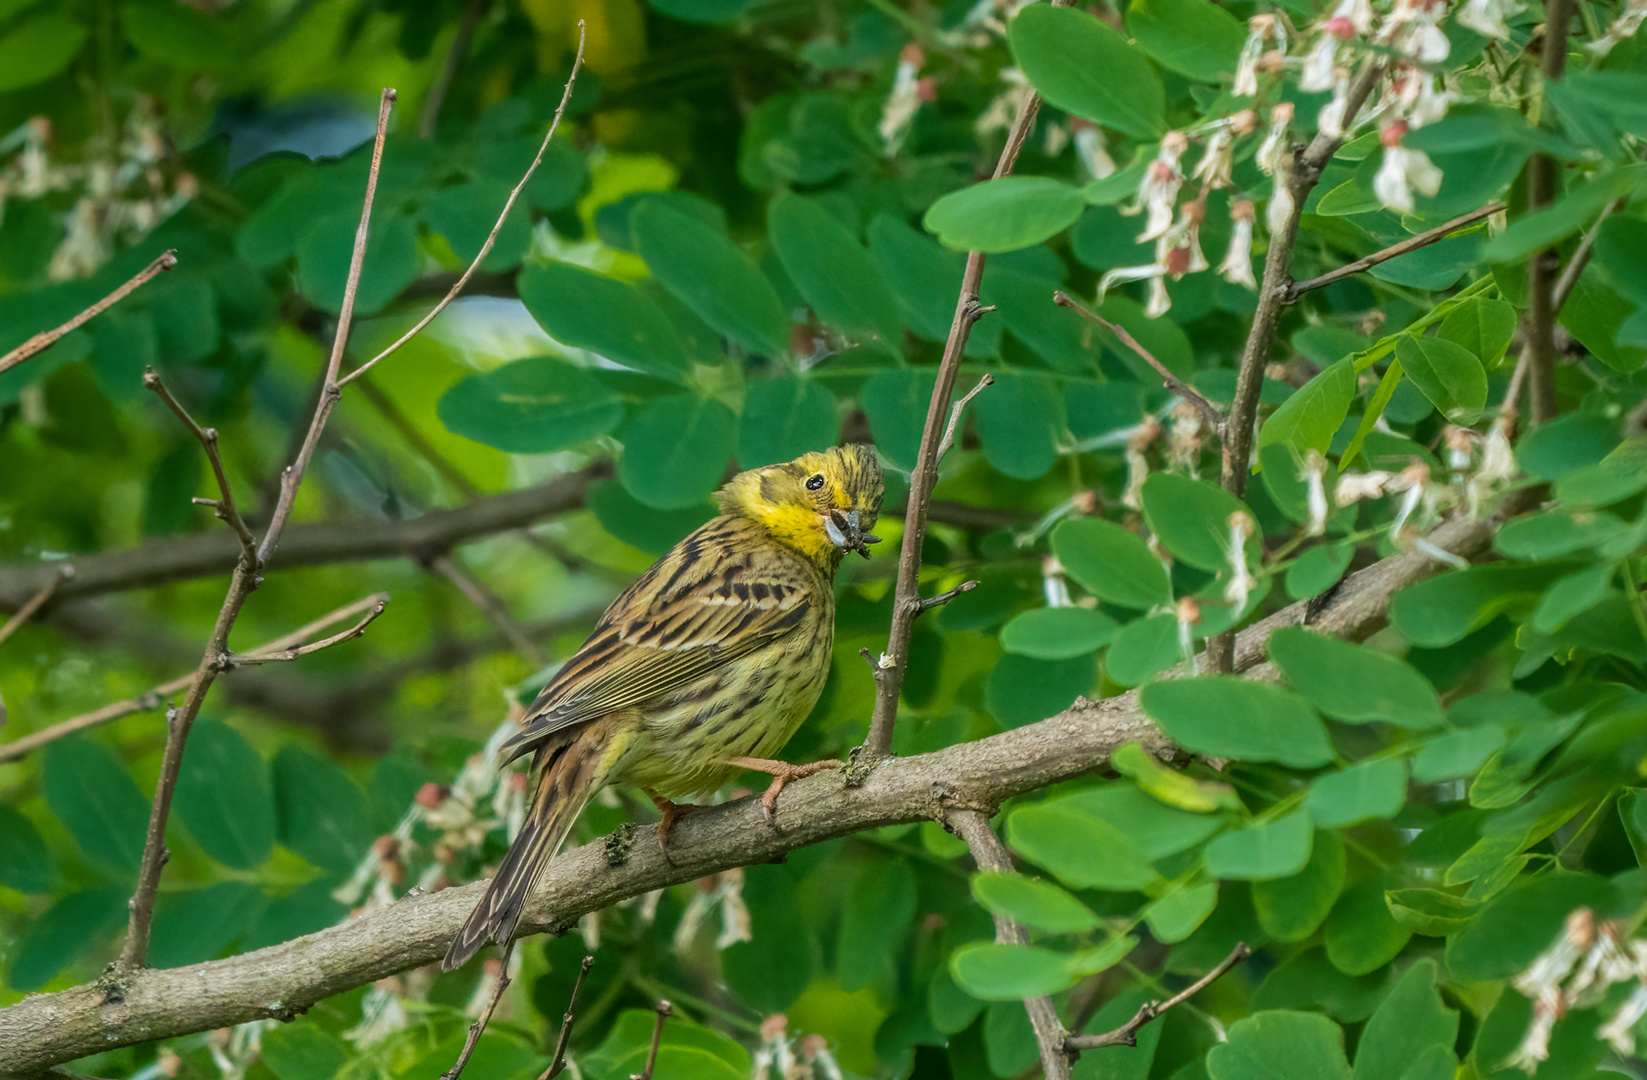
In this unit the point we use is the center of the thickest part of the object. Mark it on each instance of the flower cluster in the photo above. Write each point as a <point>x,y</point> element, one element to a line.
<point>1586,959</point>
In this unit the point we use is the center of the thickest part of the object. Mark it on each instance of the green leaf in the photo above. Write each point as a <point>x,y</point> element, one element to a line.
<point>532,406</point>
<point>1112,563</point>
<point>895,404</point>
<point>1431,912</point>
<point>465,215</point>
<point>1614,478</point>
<point>927,274</point>
<point>635,523</point>
<point>1291,908</point>
<point>91,793</point>
<point>1021,423</point>
<point>326,247</point>
<point>1058,633</point>
<point>1481,327</point>
<point>1191,518</point>
<point>1632,812</point>
<point>1144,647</point>
<point>1170,786</point>
<point>1571,596</point>
<point>1039,904</point>
<point>1083,66</point>
<point>1102,957</point>
<point>1178,914</point>
<point>1565,217</point>
<point>38,48</point>
<point>67,929</point>
<point>1307,980</point>
<point>784,418</point>
<point>1354,683</point>
<point>1448,375</point>
<point>832,270</point>
<point>1278,849</point>
<point>1410,1020</point>
<point>586,310</point>
<point>1361,935</point>
<point>1315,571</point>
<point>1223,716</point>
<point>1371,791</point>
<point>195,925</point>
<point>1313,413</point>
<point>675,450</point>
<point>1518,925</point>
<point>225,798</point>
<point>1197,39</point>
<point>1084,850</point>
<point>1445,609</point>
<point>711,275</point>
<point>304,1052</point>
<point>992,972</point>
<point>778,961</point>
<point>322,812</point>
<point>1280,1045</point>
<point>877,916</point>
<point>1557,532</point>
<point>25,864</point>
<point>1021,690</point>
<point>1004,215</point>
<point>1456,754</point>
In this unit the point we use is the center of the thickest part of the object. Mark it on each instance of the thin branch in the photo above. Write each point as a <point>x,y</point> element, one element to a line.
<point>295,651</point>
<point>1412,243</point>
<point>155,697</point>
<point>492,606</point>
<point>1568,281</point>
<point>223,506</point>
<point>960,407</point>
<point>486,248</point>
<point>1209,412</point>
<point>44,340</point>
<point>989,853</point>
<point>64,572</point>
<point>930,602</point>
<point>247,575</point>
<point>471,1040</point>
<point>1543,182</point>
<point>557,1064</point>
<point>889,680</point>
<point>48,1029</point>
<point>1127,1033</point>
<point>664,1010</point>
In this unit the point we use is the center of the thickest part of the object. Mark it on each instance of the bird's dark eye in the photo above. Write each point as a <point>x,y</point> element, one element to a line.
<point>815,481</point>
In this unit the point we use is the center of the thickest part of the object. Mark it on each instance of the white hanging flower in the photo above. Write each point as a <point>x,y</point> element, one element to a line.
<point>1402,171</point>
<point>1236,267</point>
<point>1260,28</point>
<point>898,114</point>
<point>1486,17</point>
<point>1625,26</point>
<point>1089,149</point>
<point>1213,170</point>
<point>1158,193</point>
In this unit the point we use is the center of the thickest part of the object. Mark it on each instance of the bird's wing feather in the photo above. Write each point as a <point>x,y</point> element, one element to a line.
<point>707,603</point>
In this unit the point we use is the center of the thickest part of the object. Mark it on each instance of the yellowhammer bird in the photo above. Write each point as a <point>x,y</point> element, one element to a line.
<point>705,665</point>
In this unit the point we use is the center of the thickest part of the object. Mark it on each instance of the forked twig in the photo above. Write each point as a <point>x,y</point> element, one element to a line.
<point>557,1064</point>
<point>35,602</point>
<point>155,697</point>
<point>1127,1033</point>
<point>224,505</point>
<point>1209,412</point>
<point>44,340</point>
<point>930,602</point>
<point>491,238</point>
<point>295,651</point>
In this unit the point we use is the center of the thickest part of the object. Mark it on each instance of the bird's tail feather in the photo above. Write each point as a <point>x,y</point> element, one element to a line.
<point>570,774</point>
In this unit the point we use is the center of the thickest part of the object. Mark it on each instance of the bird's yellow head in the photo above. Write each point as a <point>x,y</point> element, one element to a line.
<point>821,504</point>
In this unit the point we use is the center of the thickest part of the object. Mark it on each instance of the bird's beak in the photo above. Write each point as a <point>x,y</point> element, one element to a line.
<point>846,532</point>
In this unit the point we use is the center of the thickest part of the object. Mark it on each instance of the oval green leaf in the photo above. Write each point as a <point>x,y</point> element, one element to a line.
<point>1058,633</point>
<point>586,310</point>
<point>675,450</point>
<point>1040,904</point>
<point>1355,683</point>
<point>531,406</point>
<point>712,276</point>
<point>1191,518</point>
<point>832,270</point>
<point>1275,850</point>
<point>1006,214</point>
<point>1112,563</point>
<point>1224,716</point>
<point>1084,66</point>
<point>784,418</point>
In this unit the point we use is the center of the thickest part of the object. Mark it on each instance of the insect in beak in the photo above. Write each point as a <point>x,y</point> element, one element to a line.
<point>846,532</point>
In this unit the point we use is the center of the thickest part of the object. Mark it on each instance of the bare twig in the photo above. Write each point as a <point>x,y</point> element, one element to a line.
<point>889,680</point>
<point>471,1040</point>
<point>1568,281</point>
<point>247,575</point>
<point>430,114</point>
<point>492,606</point>
<point>989,853</point>
<point>557,1064</point>
<point>223,506</point>
<point>491,238</point>
<point>1209,412</point>
<point>295,651</point>
<point>943,598</point>
<point>44,340</point>
<point>64,572</point>
<point>664,1010</point>
<point>960,407</point>
<point>1543,182</point>
<point>155,697</point>
<point>1412,243</point>
<point>1127,1033</point>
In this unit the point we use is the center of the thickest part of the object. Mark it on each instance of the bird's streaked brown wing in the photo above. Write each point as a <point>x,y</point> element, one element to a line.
<point>704,604</point>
